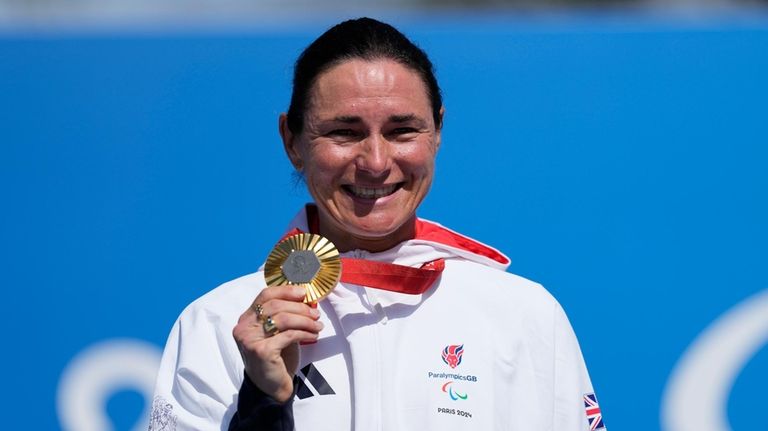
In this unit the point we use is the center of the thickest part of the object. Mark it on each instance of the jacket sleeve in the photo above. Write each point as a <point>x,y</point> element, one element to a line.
<point>199,376</point>
<point>256,411</point>
<point>573,397</point>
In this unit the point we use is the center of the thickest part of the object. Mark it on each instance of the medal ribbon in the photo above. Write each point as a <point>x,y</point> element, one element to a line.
<point>387,276</point>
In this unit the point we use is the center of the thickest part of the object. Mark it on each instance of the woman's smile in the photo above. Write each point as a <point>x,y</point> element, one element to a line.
<point>369,192</point>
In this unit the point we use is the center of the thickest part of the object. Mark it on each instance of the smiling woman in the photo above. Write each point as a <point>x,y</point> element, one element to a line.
<point>367,151</point>
<point>364,127</point>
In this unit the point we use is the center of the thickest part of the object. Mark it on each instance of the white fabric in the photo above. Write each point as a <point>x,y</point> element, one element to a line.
<point>380,352</point>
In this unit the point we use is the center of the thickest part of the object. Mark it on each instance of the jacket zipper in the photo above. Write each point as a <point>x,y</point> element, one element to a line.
<point>373,300</point>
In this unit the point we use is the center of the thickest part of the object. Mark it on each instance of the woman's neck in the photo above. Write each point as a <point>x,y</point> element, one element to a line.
<point>347,241</point>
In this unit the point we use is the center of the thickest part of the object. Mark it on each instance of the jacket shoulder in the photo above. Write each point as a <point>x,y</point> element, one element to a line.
<point>228,299</point>
<point>493,289</point>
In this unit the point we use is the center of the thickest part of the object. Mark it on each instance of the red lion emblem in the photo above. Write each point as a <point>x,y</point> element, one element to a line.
<point>452,355</point>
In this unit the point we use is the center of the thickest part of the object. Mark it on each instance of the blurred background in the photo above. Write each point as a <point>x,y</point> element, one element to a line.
<point>615,150</point>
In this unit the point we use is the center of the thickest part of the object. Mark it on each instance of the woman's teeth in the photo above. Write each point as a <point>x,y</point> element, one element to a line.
<point>372,192</point>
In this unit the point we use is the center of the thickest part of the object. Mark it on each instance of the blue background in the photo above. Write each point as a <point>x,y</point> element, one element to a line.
<point>619,160</point>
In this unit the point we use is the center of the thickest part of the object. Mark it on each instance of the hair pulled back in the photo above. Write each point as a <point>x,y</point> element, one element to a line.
<point>362,38</point>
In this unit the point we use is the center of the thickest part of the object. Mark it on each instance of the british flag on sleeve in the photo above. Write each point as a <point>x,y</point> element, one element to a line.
<point>594,415</point>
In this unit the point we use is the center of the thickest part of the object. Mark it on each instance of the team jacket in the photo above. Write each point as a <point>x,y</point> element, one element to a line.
<point>482,349</point>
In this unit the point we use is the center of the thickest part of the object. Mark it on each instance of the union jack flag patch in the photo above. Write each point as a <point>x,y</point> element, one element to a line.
<point>594,416</point>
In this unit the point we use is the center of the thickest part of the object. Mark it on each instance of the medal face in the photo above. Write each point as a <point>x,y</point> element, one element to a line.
<point>306,260</point>
<point>301,266</point>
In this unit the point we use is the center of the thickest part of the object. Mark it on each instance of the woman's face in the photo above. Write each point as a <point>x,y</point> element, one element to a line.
<point>367,152</point>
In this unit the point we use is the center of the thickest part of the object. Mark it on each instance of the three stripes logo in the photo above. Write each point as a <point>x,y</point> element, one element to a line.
<point>309,382</point>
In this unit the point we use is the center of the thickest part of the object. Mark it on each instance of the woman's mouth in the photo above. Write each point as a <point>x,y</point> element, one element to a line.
<point>371,192</point>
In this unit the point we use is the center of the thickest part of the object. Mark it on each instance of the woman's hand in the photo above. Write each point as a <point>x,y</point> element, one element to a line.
<point>271,361</point>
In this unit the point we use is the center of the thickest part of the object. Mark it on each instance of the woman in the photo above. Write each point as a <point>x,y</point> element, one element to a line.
<point>425,329</point>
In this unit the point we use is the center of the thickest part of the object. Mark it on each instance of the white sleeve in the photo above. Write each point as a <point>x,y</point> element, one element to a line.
<point>573,388</point>
<point>199,376</point>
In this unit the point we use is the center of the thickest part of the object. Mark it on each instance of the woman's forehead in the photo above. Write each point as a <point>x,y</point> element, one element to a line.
<point>362,85</point>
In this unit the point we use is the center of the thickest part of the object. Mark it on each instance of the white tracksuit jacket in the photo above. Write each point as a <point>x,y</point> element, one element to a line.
<point>379,362</point>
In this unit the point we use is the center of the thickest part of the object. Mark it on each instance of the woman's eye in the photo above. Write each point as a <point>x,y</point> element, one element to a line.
<point>342,132</point>
<point>404,132</point>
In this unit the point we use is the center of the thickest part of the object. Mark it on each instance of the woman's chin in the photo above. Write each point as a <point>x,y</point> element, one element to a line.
<point>373,233</point>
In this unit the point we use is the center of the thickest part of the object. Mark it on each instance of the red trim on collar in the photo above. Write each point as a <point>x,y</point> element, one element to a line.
<point>428,231</point>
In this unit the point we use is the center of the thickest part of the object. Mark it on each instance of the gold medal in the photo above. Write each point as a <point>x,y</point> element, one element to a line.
<point>306,260</point>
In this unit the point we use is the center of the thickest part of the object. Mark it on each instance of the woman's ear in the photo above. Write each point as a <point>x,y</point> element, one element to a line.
<point>289,143</point>
<point>439,129</point>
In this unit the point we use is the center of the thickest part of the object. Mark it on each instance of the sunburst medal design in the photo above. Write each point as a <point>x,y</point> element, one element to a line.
<point>306,260</point>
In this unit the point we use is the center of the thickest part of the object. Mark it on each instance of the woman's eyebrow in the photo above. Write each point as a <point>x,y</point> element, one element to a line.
<point>402,118</point>
<point>348,119</point>
<point>406,118</point>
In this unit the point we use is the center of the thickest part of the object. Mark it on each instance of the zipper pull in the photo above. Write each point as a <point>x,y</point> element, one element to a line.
<point>373,299</point>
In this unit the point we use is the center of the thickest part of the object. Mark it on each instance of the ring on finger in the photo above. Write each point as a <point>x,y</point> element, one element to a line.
<point>270,328</point>
<point>259,309</point>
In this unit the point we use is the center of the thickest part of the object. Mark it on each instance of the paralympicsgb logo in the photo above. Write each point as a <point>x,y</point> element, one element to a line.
<point>452,355</point>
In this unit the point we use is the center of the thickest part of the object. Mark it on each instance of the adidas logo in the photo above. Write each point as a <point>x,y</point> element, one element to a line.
<point>309,382</point>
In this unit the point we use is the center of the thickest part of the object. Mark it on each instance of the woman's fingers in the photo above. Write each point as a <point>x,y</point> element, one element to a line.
<point>279,299</point>
<point>291,328</point>
<point>288,293</point>
<point>279,307</point>
<point>271,356</point>
<point>290,321</point>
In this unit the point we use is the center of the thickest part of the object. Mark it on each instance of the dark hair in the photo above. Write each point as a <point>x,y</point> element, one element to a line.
<point>362,38</point>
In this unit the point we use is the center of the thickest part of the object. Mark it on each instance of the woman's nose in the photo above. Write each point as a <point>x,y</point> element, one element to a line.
<point>375,155</point>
